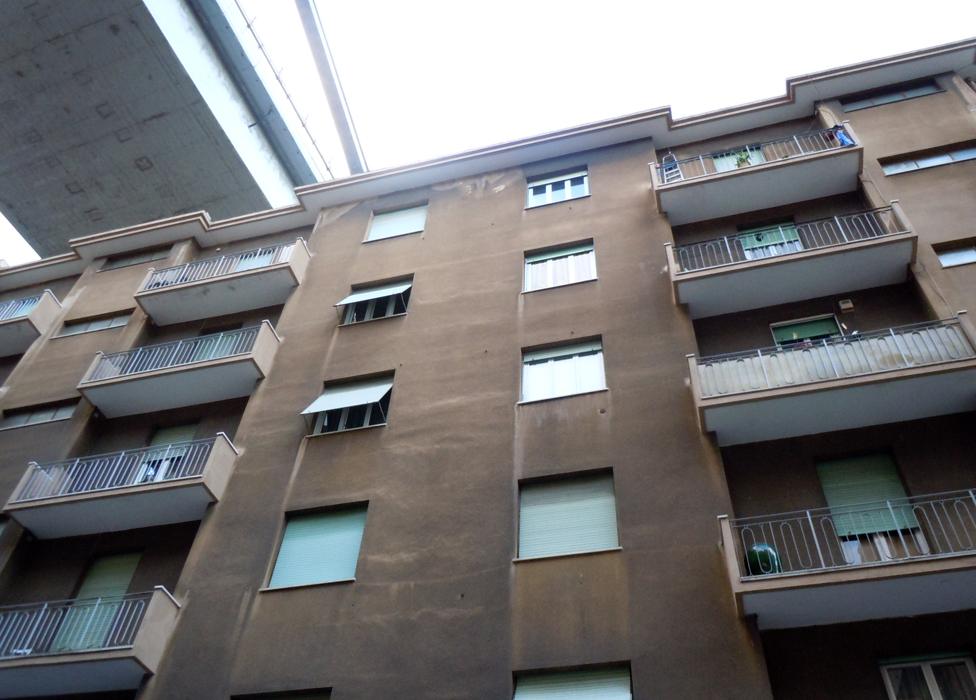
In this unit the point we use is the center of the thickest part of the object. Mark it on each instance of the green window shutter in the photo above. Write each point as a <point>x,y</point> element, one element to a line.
<point>319,547</point>
<point>767,236</point>
<point>177,433</point>
<point>602,684</point>
<point>567,516</point>
<point>109,576</point>
<point>848,484</point>
<point>805,330</point>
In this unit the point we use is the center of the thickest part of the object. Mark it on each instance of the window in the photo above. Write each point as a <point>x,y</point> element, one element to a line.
<point>889,95</point>
<point>136,258</point>
<point>596,684</point>
<point>94,324</point>
<point>552,268</point>
<point>397,223</point>
<point>352,405</point>
<point>769,241</point>
<point>568,516</point>
<point>947,678</point>
<point>562,371</point>
<point>805,330</point>
<point>319,548</point>
<point>164,462</point>
<point>557,187</point>
<point>38,414</point>
<point>849,484</point>
<point>930,159</point>
<point>963,255</point>
<point>369,303</point>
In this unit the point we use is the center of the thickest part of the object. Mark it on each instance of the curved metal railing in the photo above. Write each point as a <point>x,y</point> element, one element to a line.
<point>209,268</point>
<point>18,307</point>
<point>833,358</point>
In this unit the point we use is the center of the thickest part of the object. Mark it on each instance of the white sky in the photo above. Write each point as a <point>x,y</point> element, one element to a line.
<point>429,78</point>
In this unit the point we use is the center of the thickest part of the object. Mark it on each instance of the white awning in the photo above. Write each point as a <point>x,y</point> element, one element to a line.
<point>387,290</point>
<point>354,394</point>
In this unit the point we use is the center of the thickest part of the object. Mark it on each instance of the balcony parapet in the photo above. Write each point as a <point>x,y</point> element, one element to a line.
<point>23,320</point>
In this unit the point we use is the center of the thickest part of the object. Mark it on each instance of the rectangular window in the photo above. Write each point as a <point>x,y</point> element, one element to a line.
<point>850,484</point>
<point>568,516</point>
<point>889,95</point>
<point>319,548</point>
<point>552,268</point>
<point>137,258</point>
<point>929,159</point>
<point>94,324</point>
<point>381,301</point>
<point>963,255</point>
<point>563,371</point>
<point>769,241</point>
<point>946,678</point>
<point>557,187</point>
<point>596,684</point>
<point>400,222</point>
<point>351,405</point>
<point>805,330</point>
<point>37,414</point>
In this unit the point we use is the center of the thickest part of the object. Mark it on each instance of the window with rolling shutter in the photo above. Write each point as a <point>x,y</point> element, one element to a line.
<point>568,516</point>
<point>319,548</point>
<point>857,489</point>
<point>596,684</point>
<point>562,371</point>
<point>553,268</point>
<point>400,222</point>
<point>806,330</point>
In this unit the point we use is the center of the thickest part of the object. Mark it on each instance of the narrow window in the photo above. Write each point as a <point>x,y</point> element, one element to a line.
<point>557,187</point>
<point>37,414</point>
<point>805,330</point>
<point>562,371</point>
<point>373,302</point>
<point>397,223</point>
<point>94,324</point>
<point>568,516</point>
<point>319,548</point>
<point>351,405</point>
<point>552,268</point>
<point>946,678</point>
<point>596,684</point>
<point>929,159</point>
<point>137,258</point>
<point>950,257</point>
<point>889,95</point>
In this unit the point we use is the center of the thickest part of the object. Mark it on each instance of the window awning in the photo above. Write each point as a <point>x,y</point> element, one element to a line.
<point>355,394</point>
<point>387,290</point>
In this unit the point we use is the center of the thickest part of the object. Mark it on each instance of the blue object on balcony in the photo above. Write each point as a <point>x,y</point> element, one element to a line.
<point>843,138</point>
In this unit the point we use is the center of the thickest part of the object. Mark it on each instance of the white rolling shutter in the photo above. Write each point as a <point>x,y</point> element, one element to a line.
<point>320,547</point>
<point>567,516</point>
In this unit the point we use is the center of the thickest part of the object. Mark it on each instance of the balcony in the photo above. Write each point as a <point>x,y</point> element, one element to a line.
<point>910,556</point>
<point>896,374</point>
<point>22,321</point>
<point>93,645</point>
<point>789,263</point>
<point>123,490</point>
<point>180,373</point>
<point>253,279</point>
<point>758,175</point>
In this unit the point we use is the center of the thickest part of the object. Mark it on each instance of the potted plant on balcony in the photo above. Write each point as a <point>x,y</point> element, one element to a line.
<point>742,159</point>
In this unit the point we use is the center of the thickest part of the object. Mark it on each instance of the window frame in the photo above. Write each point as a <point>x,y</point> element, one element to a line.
<point>144,256</point>
<point>805,319</point>
<point>916,161</point>
<point>58,409</point>
<point>318,420</point>
<point>393,210</point>
<point>114,321</point>
<point>955,247</point>
<point>554,348</point>
<point>552,177</point>
<point>556,253</point>
<point>926,664</point>
<point>581,670</point>
<point>347,311</point>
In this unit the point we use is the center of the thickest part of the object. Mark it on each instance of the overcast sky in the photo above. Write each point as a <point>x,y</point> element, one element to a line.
<point>425,78</point>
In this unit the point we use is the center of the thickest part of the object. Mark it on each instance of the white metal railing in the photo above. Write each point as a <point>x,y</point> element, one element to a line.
<point>671,170</point>
<point>149,358</point>
<point>18,307</point>
<point>786,239</point>
<point>216,267</point>
<point>833,358</point>
<point>884,532</point>
<point>65,626</point>
<point>146,465</point>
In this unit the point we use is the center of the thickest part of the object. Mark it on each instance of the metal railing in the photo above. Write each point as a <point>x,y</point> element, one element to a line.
<point>783,240</point>
<point>884,532</point>
<point>146,465</point>
<point>66,626</point>
<point>672,170</point>
<point>833,358</point>
<point>216,267</point>
<point>18,307</point>
<point>149,358</point>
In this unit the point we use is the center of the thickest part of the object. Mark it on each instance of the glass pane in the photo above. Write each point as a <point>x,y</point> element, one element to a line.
<point>964,154</point>
<point>955,681</point>
<point>356,417</point>
<point>558,191</point>
<point>899,167</point>
<point>960,256</point>
<point>908,683</point>
<point>537,195</point>
<point>933,160</point>
<point>578,185</point>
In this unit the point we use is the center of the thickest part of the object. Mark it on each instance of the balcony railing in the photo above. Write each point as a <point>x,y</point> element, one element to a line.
<point>833,358</point>
<point>147,465</point>
<point>150,358</point>
<point>671,170</point>
<point>216,267</point>
<point>18,307</point>
<point>67,626</point>
<point>777,241</point>
<point>885,532</point>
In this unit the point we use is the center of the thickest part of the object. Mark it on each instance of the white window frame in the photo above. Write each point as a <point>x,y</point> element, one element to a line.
<point>376,213</point>
<point>568,352</point>
<point>546,257</point>
<point>967,249</point>
<point>930,159</point>
<point>70,328</point>
<point>347,310</point>
<point>552,179</point>
<point>926,666</point>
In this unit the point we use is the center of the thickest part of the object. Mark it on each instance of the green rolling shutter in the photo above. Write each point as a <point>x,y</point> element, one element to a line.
<point>567,516</point>
<point>602,684</point>
<point>319,547</point>
<point>850,483</point>
<point>805,330</point>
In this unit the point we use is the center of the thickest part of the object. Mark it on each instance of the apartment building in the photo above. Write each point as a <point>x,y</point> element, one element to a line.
<point>649,408</point>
